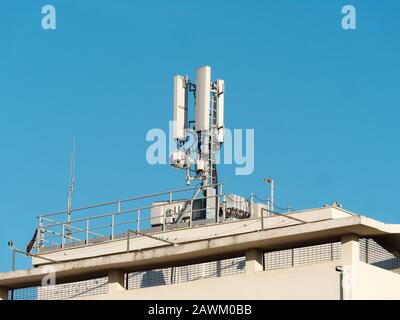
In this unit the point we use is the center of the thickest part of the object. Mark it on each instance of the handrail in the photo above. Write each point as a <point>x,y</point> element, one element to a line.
<point>126,200</point>
<point>69,228</point>
<point>120,213</point>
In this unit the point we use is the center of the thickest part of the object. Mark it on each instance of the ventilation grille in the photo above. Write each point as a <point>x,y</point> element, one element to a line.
<point>374,254</point>
<point>302,256</point>
<point>61,291</point>
<point>170,275</point>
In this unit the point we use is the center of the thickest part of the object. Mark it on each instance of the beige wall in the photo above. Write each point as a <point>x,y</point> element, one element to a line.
<point>318,281</point>
<point>375,283</point>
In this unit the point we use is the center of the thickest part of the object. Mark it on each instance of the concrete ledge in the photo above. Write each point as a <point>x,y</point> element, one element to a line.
<point>195,233</point>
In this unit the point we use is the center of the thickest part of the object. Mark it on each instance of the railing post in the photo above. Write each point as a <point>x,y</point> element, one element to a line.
<point>224,209</point>
<point>112,225</point>
<point>127,240</point>
<point>62,235</point>
<point>217,208</point>
<point>191,213</point>
<point>164,221</point>
<point>219,200</point>
<point>251,204</point>
<point>262,219</point>
<point>40,239</point>
<point>138,221</point>
<point>87,231</point>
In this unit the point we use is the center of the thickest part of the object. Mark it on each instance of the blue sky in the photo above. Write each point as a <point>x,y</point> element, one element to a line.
<point>324,102</point>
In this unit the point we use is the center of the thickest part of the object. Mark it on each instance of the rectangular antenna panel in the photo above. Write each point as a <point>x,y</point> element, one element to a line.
<point>180,108</point>
<point>202,110</point>
<point>220,109</point>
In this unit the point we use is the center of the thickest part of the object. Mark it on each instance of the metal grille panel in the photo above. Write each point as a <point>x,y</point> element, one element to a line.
<point>61,291</point>
<point>374,254</point>
<point>179,274</point>
<point>302,256</point>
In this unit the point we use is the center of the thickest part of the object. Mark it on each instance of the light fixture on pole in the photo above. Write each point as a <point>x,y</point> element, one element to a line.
<point>12,247</point>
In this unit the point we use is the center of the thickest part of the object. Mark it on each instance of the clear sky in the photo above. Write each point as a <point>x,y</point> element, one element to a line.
<point>324,102</point>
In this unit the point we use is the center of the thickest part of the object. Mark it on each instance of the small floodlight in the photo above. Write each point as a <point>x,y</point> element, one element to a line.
<point>11,244</point>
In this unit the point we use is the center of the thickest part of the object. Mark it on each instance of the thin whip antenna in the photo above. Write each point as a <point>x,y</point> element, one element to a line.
<point>72,181</point>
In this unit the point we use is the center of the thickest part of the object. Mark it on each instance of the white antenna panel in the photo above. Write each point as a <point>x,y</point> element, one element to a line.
<point>220,109</point>
<point>202,110</point>
<point>180,108</point>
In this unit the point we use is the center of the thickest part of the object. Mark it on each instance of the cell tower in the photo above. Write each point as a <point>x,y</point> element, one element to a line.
<point>206,131</point>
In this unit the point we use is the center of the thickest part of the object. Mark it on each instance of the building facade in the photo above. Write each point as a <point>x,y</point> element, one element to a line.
<point>323,253</point>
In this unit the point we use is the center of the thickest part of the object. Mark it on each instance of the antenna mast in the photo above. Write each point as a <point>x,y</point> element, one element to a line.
<point>207,131</point>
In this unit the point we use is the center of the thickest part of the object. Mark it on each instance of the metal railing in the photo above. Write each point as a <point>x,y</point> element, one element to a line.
<point>111,220</point>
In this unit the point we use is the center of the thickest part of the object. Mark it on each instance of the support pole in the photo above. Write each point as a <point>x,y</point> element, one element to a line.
<point>14,252</point>
<point>272,197</point>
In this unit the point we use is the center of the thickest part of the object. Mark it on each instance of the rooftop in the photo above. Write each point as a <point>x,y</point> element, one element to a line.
<point>199,243</point>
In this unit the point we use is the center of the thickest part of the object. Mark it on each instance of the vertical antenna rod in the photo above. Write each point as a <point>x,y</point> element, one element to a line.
<point>72,181</point>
